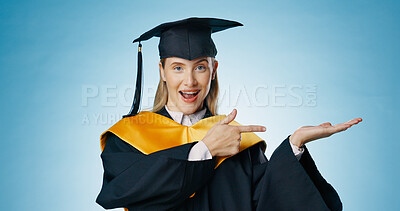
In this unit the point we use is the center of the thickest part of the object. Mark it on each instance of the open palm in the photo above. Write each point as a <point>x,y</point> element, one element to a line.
<point>306,134</point>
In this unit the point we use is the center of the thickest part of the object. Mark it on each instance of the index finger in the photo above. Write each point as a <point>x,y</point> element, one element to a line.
<point>353,121</point>
<point>250,128</point>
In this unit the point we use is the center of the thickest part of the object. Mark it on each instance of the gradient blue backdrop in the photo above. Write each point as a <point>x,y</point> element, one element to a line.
<point>68,68</point>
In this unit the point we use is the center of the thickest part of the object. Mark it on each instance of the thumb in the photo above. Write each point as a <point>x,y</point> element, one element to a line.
<point>228,119</point>
<point>326,124</point>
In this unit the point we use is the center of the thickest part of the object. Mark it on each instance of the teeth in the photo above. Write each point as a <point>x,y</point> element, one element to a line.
<point>189,93</point>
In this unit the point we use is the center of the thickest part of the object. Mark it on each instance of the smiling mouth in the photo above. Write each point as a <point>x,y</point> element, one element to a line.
<point>189,95</point>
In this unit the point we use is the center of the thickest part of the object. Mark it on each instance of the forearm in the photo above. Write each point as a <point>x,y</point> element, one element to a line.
<point>284,183</point>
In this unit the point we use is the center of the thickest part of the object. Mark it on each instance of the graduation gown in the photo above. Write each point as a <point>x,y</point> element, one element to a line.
<point>166,180</point>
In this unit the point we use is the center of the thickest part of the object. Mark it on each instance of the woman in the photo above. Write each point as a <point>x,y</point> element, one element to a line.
<point>182,156</point>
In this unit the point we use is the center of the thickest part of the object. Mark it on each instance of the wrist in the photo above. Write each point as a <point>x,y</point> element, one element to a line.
<point>295,141</point>
<point>209,147</point>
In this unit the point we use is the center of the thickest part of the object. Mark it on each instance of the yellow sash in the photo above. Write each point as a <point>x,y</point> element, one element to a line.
<point>150,132</point>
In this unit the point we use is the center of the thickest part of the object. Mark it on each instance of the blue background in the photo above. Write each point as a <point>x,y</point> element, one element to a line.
<point>68,68</point>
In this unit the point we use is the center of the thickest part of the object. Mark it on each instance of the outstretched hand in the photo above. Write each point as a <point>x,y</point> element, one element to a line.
<point>224,139</point>
<point>306,134</point>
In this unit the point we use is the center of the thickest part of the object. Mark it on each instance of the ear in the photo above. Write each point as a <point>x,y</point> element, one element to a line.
<point>215,69</point>
<point>162,73</point>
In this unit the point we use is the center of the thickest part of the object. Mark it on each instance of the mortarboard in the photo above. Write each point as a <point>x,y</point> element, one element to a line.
<point>187,39</point>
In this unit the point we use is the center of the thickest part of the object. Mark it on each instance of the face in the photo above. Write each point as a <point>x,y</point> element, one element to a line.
<point>188,82</point>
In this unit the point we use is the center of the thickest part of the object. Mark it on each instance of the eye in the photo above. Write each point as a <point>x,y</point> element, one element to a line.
<point>178,68</point>
<point>201,67</point>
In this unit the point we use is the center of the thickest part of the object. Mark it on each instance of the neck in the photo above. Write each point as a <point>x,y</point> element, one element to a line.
<point>174,108</point>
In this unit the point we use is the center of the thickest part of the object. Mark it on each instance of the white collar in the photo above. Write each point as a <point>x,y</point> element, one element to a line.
<point>186,120</point>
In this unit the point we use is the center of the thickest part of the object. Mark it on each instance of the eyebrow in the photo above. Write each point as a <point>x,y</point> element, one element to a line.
<point>176,63</point>
<point>179,63</point>
<point>202,61</point>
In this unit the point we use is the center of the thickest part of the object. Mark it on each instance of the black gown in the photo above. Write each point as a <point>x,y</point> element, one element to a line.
<point>165,180</point>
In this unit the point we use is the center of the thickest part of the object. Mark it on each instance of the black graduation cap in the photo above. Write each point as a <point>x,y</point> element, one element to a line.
<point>187,39</point>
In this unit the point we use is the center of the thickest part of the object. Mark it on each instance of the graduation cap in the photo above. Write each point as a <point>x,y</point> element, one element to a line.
<point>187,39</point>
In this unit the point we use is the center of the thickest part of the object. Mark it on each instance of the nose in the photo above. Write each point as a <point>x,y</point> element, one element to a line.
<point>190,79</point>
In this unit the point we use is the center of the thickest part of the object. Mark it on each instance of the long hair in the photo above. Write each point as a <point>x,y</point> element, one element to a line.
<point>210,101</point>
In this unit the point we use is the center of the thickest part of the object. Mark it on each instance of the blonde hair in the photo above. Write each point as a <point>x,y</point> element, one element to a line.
<point>161,97</point>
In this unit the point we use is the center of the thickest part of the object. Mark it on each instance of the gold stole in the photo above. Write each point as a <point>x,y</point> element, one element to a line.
<point>150,132</point>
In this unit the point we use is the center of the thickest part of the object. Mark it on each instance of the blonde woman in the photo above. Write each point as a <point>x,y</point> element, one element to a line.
<point>183,156</point>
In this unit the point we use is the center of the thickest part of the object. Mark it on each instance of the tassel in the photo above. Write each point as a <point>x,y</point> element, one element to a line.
<point>138,91</point>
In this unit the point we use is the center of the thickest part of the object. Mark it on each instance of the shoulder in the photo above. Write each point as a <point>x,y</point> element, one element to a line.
<point>114,144</point>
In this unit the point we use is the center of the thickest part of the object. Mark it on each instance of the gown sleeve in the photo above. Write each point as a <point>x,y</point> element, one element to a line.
<point>284,183</point>
<point>158,181</point>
